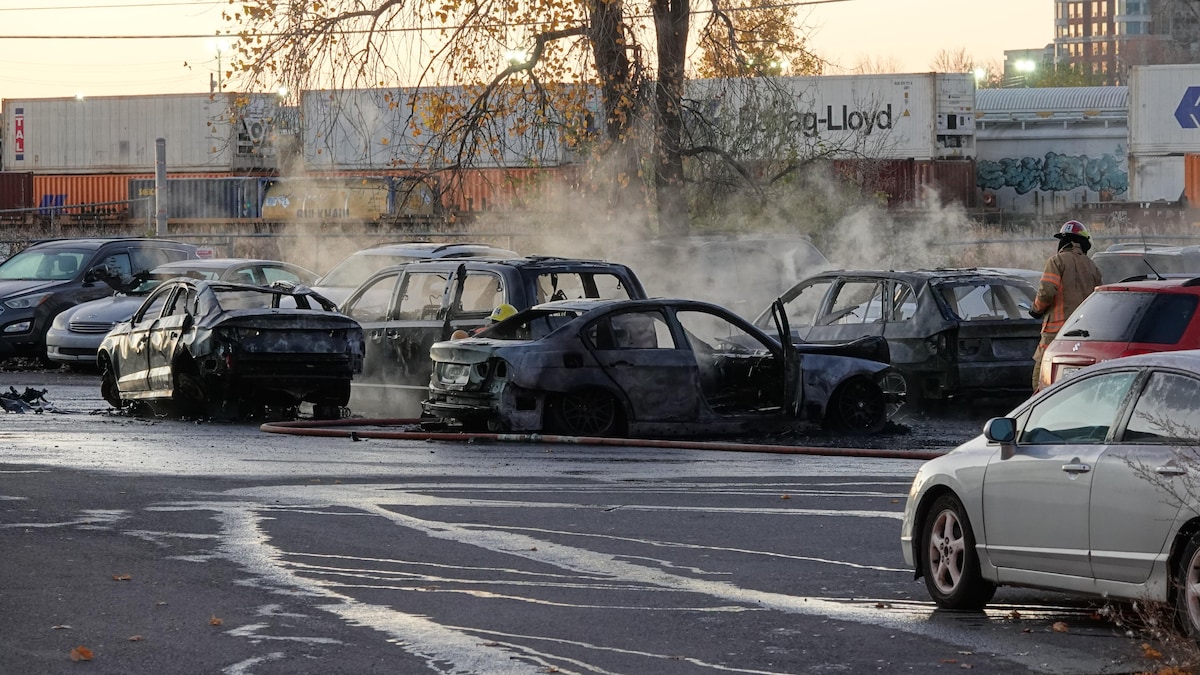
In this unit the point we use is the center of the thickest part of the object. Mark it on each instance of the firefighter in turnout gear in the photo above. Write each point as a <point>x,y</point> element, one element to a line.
<point>1068,278</point>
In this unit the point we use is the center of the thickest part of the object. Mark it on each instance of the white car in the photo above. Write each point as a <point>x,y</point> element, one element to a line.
<point>1088,487</point>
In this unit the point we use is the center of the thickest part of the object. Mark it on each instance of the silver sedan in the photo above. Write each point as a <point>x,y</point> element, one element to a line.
<point>1088,487</point>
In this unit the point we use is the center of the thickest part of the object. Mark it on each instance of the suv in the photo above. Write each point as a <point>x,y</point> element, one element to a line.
<point>1122,319</point>
<point>1125,261</point>
<point>50,276</point>
<point>950,332</point>
<point>406,308</point>
<point>356,267</point>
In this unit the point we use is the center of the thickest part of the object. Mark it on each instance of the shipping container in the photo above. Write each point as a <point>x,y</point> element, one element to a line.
<point>92,194</point>
<point>909,182</point>
<point>1164,110</point>
<point>1191,179</point>
<point>1156,178</point>
<point>210,198</point>
<point>919,116</point>
<point>118,134</point>
<point>397,129</point>
<point>1048,150</point>
<point>16,192</point>
<point>343,199</point>
<point>477,190</point>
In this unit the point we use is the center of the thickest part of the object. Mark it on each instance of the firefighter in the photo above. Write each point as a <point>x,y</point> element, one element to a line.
<point>1068,278</point>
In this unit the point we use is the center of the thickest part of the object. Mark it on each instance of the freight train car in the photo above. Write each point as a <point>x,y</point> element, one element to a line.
<point>1053,149</point>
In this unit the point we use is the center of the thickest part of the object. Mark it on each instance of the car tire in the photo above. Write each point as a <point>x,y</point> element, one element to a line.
<point>857,407</point>
<point>108,384</point>
<point>591,412</point>
<point>188,394</point>
<point>949,561</point>
<point>895,382</point>
<point>324,411</point>
<point>1187,589</point>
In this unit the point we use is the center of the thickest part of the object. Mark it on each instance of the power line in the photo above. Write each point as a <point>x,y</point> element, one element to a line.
<point>414,29</point>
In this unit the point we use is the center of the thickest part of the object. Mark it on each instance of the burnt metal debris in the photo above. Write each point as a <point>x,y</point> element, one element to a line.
<point>29,401</point>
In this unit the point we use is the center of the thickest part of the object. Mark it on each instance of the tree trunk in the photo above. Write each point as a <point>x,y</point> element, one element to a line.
<point>671,18</point>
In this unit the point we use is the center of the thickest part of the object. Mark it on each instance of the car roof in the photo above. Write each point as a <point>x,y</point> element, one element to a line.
<point>96,242</point>
<point>217,263</point>
<point>435,249</point>
<point>529,262</point>
<point>589,304</point>
<point>932,274</point>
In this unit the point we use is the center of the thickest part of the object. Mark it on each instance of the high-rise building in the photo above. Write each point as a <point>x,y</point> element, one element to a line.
<point>1105,38</point>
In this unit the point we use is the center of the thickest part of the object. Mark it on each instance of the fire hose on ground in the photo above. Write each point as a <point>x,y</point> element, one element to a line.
<point>343,429</point>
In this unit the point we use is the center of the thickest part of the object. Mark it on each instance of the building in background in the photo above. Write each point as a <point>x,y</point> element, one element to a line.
<point>1108,37</point>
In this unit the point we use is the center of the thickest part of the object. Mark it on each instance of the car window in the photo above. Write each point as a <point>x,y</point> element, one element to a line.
<point>1120,316</point>
<point>43,265</point>
<point>855,302</point>
<point>149,257</point>
<point>631,330</point>
<point>1166,412</point>
<point>551,286</point>
<point>183,302</point>
<point>985,301</point>
<point>1081,412</point>
<point>904,302</point>
<point>153,306</point>
<point>707,332</point>
<point>802,309</point>
<point>373,301</point>
<point>481,293</point>
<point>355,269</point>
<point>422,295</point>
<point>273,274</point>
<point>533,325</point>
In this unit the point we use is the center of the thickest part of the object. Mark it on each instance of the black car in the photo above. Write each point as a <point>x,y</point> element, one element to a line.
<point>48,277</point>
<point>229,350</point>
<point>950,332</point>
<point>406,308</point>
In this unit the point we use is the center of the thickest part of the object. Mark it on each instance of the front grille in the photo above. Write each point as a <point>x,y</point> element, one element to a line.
<point>90,326</point>
<point>76,351</point>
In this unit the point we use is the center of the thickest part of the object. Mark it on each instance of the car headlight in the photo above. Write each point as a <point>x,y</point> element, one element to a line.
<point>27,301</point>
<point>19,327</point>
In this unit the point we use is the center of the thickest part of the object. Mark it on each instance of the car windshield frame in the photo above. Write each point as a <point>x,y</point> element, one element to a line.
<point>357,268</point>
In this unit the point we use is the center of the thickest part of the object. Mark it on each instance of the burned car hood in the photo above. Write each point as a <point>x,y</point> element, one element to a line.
<point>473,350</point>
<point>275,318</point>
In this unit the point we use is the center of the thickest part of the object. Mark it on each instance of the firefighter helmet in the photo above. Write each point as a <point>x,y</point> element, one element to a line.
<point>1073,227</point>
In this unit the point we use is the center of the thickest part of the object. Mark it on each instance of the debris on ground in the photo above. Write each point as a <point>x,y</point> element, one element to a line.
<point>31,400</point>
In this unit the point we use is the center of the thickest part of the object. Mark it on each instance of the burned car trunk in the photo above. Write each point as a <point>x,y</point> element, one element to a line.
<point>646,367</point>
<point>231,349</point>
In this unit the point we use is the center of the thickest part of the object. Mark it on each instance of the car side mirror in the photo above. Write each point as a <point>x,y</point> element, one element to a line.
<point>1002,430</point>
<point>95,274</point>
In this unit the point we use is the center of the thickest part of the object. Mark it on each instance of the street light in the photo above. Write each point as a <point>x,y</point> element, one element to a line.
<point>217,46</point>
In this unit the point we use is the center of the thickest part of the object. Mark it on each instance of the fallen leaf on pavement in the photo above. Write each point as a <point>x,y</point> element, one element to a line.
<point>121,577</point>
<point>81,653</point>
<point>136,638</point>
<point>1150,652</point>
<point>1059,627</point>
<point>215,621</point>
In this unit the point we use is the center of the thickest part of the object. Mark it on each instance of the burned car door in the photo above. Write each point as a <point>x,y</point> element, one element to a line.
<point>802,304</point>
<point>416,322</point>
<point>134,361</point>
<point>739,371</point>
<point>176,320</point>
<point>475,294</point>
<point>995,340</point>
<point>855,307</point>
<point>636,350</point>
<point>371,306</point>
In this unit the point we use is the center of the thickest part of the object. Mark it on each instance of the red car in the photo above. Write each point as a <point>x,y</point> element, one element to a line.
<point>1123,319</point>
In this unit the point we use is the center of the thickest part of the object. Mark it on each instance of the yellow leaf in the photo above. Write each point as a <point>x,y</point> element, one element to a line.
<point>81,653</point>
<point>1150,652</point>
<point>215,621</point>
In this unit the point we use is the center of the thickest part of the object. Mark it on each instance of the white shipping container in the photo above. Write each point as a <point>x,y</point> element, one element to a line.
<point>117,134</point>
<point>1164,110</point>
<point>1155,178</point>
<point>389,129</point>
<point>919,116</point>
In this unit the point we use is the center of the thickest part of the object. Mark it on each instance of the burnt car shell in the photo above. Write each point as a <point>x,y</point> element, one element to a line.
<point>673,387</point>
<point>207,345</point>
<point>950,331</point>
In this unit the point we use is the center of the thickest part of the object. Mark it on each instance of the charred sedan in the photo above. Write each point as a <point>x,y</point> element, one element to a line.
<point>648,367</point>
<point>226,349</point>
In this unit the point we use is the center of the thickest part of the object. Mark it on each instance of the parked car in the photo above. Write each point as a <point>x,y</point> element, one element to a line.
<point>951,332</point>
<point>1123,319</point>
<point>407,308</point>
<point>647,367</point>
<point>48,277</point>
<point>353,270</point>
<point>1119,262</point>
<point>1088,487</point>
<point>219,348</point>
<point>76,333</point>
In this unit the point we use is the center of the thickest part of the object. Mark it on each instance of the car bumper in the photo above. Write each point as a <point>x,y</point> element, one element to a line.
<point>67,347</point>
<point>510,409</point>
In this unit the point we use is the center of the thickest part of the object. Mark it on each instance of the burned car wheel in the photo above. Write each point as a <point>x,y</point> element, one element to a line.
<point>857,407</point>
<point>899,397</point>
<point>585,413</point>
<point>322,411</point>
<point>108,384</point>
<point>188,397</point>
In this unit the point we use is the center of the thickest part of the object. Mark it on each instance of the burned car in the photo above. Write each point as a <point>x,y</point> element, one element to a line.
<point>406,308</point>
<point>648,367</point>
<point>226,349</point>
<point>951,332</point>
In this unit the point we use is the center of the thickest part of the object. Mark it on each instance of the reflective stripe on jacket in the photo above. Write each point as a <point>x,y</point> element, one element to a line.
<point>1069,277</point>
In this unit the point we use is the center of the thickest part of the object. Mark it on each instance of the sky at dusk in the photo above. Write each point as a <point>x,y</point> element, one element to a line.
<point>907,32</point>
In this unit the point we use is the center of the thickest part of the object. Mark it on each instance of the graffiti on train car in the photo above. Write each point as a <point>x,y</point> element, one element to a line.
<point>1054,172</point>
